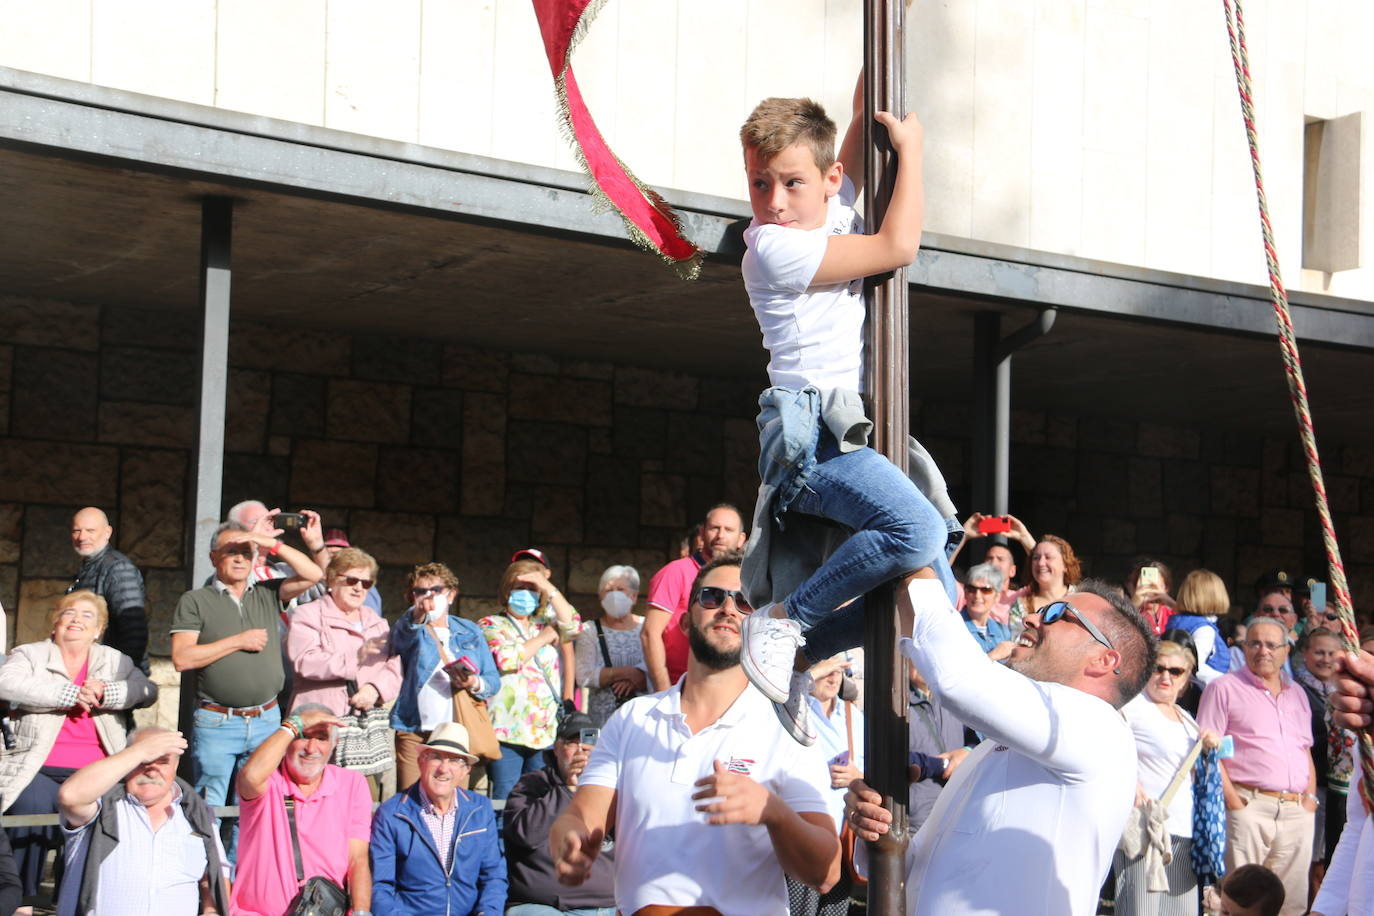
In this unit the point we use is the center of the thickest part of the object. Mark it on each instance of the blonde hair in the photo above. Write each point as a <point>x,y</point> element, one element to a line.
<point>351,558</point>
<point>1203,593</point>
<point>775,124</point>
<point>102,610</point>
<point>508,579</point>
<point>1167,647</point>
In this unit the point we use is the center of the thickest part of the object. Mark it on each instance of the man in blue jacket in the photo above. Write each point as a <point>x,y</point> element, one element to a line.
<point>436,848</point>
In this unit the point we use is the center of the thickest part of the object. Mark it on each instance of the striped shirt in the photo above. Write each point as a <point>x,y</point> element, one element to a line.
<point>440,826</point>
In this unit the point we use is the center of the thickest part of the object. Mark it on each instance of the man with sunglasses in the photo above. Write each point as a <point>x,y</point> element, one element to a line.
<point>1271,783</point>
<point>1029,821</point>
<point>229,631</point>
<point>713,802</point>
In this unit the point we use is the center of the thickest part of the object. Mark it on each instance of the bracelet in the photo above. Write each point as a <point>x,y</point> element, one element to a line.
<point>295,725</point>
<point>272,552</point>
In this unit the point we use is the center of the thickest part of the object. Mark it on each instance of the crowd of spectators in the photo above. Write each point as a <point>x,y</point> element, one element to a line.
<point>365,756</point>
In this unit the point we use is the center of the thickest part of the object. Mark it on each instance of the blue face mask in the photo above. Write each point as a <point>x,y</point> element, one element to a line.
<point>523,603</point>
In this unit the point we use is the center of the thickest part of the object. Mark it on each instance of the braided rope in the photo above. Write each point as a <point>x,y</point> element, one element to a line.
<point>1292,364</point>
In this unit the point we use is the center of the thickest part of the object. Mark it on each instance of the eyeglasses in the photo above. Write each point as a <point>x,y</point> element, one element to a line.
<point>1061,609</point>
<point>239,550</point>
<point>354,580</point>
<point>1261,644</point>
<point>417,593</point>
<point>1173,672</point>
<point>980,589</point>
<point>712,597</point>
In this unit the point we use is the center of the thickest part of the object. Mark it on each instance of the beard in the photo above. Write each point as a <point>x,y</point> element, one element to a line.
<point>1039,667</point>
<point>709,655</point>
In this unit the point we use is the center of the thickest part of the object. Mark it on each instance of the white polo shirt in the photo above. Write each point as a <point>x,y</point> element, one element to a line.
<point>1029,821</point>
<point>665,851</point>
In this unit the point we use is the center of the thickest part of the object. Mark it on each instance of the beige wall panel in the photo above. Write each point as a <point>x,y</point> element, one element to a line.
<point>1236,251</point>
<point>372,68</point>
<point>525,125</point>
<point>269,58</point>
<point>1113,207</point>
<point>52,37</point>
<point>1003,90</point>
<point>457,71</point>
<point>1178,121</point>
<point>940,80</point>
<point>1115,90</point>
<point>1322,61</point>
<point>1056,139</point>
<point>157,47</point>
<point>710,97</point>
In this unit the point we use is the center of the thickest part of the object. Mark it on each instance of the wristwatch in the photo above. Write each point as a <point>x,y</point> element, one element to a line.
<point>359,913</point>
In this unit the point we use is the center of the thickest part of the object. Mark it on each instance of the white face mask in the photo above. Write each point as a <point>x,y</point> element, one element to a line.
<point>440,609</point>
<point>617,604</point>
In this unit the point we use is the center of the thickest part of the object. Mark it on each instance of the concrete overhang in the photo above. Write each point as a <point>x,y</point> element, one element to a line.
<point>100,189</point>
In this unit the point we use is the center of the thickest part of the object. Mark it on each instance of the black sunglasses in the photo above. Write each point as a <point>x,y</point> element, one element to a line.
<point>712,597</point>
<point>1173,672</point>
<point>417,593</point>
<point>1061,609</point>
<point>354,580</point>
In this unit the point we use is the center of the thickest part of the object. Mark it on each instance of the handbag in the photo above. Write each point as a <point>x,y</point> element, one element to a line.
<point>1208,851</point>
<point>606,660</point>
<point>319,896</point>
<point>849,839</point>
<point>471,713</point>
<point>1146,831</point>
<point>365,742</point>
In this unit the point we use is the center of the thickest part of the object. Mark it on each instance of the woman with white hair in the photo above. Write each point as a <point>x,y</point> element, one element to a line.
<point>610,657</point>
<point>983,586</point>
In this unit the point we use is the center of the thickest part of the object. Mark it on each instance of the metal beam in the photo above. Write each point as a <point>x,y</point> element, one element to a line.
<point>888,387</point>
<point>206,481</point>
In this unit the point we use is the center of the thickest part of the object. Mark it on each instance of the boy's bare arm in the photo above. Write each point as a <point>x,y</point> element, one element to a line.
<point>894,245</point>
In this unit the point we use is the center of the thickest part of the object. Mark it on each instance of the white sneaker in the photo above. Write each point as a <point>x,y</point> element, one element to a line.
<point>768,652</point>
<point>795,714</point>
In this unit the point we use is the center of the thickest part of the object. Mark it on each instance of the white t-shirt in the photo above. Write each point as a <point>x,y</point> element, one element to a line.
<point>1161,744</point>
<point>814,336</point>
<point>665,851</point>
<point>1349,884</point>
<point>435,700</point>
<point>1029,821</point>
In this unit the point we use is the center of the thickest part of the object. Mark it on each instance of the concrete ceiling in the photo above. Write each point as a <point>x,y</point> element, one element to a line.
<point>98,233</point>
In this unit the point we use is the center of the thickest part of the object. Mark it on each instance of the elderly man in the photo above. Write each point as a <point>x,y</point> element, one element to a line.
<point>139,840</point>
<point>230,631</point>
<point>114,577</point>
<point>713,804</point>
<point>532,807</point>
<point>436,847</point>
<point>665,646</point>
<point>1271,783</point>
<point>302,818</point>
<point>1051,786</point>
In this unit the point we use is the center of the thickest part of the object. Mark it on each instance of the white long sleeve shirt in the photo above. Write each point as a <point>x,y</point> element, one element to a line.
<point>1029,822</point>
<point>1348,887</point>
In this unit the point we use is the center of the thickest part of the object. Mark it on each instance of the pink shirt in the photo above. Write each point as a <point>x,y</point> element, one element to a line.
<point>1272,734</point>
<point>339,810</point>
<point>671,590</point>
<point>78,743</point>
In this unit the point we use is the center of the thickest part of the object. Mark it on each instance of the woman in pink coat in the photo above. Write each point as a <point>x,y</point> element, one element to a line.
<point>338,648</point>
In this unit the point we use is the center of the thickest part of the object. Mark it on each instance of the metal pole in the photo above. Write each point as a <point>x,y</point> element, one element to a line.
<point>987,334</point>
<point>886,382</point>
<point>207,474</point>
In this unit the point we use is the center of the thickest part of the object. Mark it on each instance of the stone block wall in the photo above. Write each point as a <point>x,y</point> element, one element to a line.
<point>425,449</point>
<point>422,449</point>
<point>1117,489</point>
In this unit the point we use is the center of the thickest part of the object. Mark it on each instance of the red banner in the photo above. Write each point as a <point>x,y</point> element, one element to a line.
<point>649,220</point>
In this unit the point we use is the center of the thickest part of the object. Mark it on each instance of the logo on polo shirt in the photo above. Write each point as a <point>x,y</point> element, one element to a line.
<point>741,765</point>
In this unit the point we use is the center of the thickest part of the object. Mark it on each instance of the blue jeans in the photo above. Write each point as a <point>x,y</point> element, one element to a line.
<point>220,745</point>
<point>516,760</point>
<point>539,909</point>
<point>895,530</point>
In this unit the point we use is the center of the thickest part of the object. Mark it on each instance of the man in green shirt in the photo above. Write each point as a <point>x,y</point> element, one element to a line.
<point>230,632</point>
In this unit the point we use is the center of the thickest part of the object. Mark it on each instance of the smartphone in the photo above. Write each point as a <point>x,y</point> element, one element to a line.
<point>1227,749</point>
<point>1318,592</point>
<point>1149,578</point>
<point>841,759</point>
<point>290,521</point>
<point>994,524</point>
<point>589,736</point>
<point>468,664</point>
